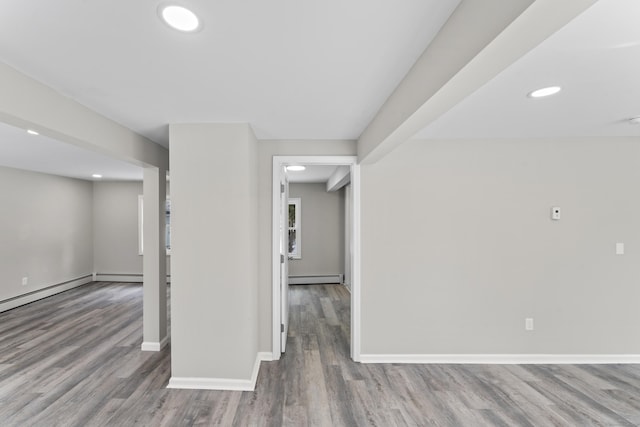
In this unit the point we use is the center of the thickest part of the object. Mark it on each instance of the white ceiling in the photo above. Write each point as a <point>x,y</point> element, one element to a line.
<point>300,70</point>
<point>293,69</point>
<point>595,59</point>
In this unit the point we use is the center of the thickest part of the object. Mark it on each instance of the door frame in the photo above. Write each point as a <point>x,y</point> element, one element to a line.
<point>283,250</point>
<point>278,163</point>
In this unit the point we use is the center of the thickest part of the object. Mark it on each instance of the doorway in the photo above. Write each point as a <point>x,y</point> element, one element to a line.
<point>280,288</point>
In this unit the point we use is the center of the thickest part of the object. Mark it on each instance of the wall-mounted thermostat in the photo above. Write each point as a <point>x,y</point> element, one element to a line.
<point>555,213</point>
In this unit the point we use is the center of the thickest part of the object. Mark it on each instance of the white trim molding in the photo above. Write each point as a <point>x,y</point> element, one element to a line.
<point>222,383</point>
<point>154,346</point>
<point>504,359</point>
<point>278,163</point>
<point>48,291</point>
<point>355,263</point>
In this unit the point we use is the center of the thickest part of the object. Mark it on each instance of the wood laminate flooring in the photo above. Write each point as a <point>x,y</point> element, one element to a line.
<point>74,359</point>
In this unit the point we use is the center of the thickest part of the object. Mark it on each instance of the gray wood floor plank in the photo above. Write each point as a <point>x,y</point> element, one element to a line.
<point>74,359</point>
<point>580,409</point>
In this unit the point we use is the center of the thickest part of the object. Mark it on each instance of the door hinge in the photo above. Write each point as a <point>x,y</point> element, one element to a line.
<point>281,327</point>
<point>282,188</point>
<point>281,259</point>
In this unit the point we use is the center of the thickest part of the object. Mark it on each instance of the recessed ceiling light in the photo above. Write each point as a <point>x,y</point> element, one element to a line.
<point>546,91</point>
<point>180,18</point>
<point>635,120</point>
<point>295,168</point>
<point>96,175</point>
<point>32,132</point>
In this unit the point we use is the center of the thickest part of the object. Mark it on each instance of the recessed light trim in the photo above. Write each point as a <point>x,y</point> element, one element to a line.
<point>296,168</point>
<point>180,18</point>
<point>32,132</point>
<point>545,91</point>
<point>635,120</point>
<point>96,175</point>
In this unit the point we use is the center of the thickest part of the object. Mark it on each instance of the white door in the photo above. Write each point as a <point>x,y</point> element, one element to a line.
<point>284,259</point>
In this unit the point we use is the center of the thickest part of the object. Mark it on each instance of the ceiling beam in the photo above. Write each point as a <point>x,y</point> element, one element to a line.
<point>29,104</point>
<point>339,178</point>
<point>481,39</point>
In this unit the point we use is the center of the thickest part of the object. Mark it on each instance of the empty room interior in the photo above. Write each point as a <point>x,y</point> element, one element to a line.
<point>461,248</point>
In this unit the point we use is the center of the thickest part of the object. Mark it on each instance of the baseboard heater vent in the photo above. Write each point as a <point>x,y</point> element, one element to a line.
<point>314,280</point>
<point>122,277</point>
<point>45,292</point>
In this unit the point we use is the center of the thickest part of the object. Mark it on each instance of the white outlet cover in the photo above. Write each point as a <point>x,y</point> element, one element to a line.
<point>619,248</point>
<point>528,324</point>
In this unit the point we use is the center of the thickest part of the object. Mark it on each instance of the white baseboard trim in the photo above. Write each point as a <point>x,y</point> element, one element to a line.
<point>315,280</point>
<point>32,296</point>
<point>262,356</point>
<point>117,277</point>
<point>154,346</point>
<point>222,383</point>
<point>504,359</point>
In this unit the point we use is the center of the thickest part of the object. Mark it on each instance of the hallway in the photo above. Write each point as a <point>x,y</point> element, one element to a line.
<point>316,365</point>
<point>74,360</point>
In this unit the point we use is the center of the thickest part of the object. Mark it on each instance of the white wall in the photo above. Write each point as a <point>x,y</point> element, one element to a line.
<point>115,218</point>
<point>458,248</point>
<point>46,228</point>
<point>214,254</point>
<point>323,215</point>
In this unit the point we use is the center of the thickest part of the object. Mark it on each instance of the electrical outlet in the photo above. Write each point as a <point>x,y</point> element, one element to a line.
<point>528,324</point>
<point>25,281</point>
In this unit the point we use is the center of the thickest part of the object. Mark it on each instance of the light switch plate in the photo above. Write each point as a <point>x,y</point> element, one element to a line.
<point>619,248</point>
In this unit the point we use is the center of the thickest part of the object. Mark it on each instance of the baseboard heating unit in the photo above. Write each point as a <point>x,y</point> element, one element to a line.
<point>316,279</point>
